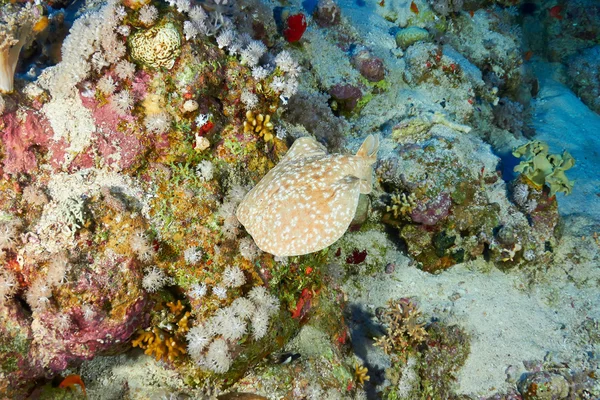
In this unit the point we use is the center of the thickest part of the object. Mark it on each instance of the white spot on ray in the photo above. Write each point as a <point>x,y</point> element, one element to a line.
<point>280,210</point>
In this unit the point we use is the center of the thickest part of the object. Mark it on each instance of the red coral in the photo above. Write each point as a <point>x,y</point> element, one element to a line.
<point>356,257</point>
<point>295,27</point>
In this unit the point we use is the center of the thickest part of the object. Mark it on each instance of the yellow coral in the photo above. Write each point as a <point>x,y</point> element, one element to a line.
<point>182,325</point>
<point>175,308</point>
<point>402,204</point>
<point>159,344</point>
<point>167,342</point>
<point>360,373</point>
<point>260,124</point>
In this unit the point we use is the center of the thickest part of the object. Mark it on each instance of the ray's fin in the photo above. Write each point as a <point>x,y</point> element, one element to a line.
<point>368,154</point>
<point>304,147</point>
<point>369,148</point>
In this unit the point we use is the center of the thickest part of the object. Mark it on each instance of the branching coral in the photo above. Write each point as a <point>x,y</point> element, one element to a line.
<point>402,204</point>
<point>404,329</point>
<point>361,374</point>
<point>159,344</point>
<point>17,30</point>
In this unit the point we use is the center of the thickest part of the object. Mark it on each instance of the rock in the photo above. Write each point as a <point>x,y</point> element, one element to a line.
<point>411,35</point>
<point>369,66</point>
<point>362,211</point>
<point>544,386</point>
<point>346,97</point>
<point>327,13</point>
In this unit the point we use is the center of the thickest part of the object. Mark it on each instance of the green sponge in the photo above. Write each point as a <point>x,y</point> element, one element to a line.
<point>541,168</point>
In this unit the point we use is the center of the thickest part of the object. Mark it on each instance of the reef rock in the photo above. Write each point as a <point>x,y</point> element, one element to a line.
<point>450,205</point>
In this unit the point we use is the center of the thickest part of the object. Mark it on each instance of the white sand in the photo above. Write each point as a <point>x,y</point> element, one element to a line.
<point>564,122</point>
<point>509,321</point>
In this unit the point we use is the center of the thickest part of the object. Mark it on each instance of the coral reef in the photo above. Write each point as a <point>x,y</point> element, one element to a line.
<point>491,41</point>
<point>584,76</point>
<point>185,184</point>
<point>449,212</point>
<point>511,115</point>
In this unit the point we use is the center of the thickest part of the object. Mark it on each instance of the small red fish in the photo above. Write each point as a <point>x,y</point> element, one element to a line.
<point>72,380</point>
<point>528,54</point>
<point>414,8</point>
<point>382,3</point>
<point>555,12</point>
<point>471,13</point>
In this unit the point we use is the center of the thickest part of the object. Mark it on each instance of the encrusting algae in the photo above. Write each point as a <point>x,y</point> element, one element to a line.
<point>307,201</point>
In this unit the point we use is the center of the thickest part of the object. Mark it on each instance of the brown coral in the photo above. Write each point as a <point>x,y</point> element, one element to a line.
<point>157,47</point>
<point>404,330</point>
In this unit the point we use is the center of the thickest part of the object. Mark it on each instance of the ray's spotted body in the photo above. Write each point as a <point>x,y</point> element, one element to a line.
<point>308,200</point>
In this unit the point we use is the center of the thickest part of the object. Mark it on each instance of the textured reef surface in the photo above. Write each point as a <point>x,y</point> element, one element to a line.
<point>332,199</point>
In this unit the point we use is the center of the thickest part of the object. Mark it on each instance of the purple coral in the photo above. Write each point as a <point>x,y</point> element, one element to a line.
<point>327,13</point>
<point>346,96</point>
<point>369,66</point>
<point>432,211</point>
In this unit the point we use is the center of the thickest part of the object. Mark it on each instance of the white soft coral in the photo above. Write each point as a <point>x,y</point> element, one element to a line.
<point>17,30</point>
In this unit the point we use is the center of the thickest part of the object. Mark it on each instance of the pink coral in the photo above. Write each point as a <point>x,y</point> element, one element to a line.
<point>115,139</point>
<point>19,138</point>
